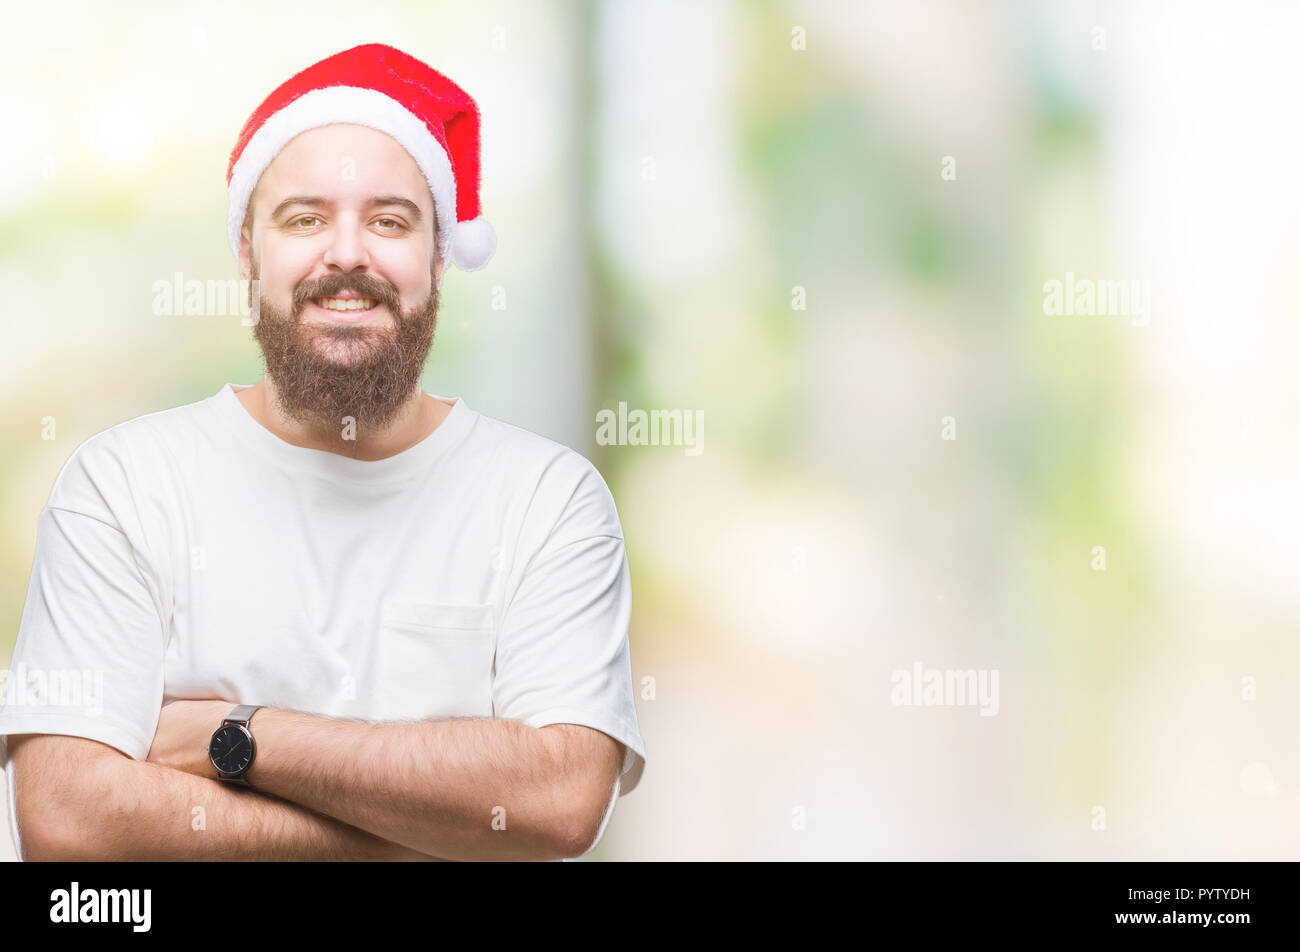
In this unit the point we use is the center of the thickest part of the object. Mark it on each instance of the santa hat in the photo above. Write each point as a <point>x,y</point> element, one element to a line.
<point>378,86</point>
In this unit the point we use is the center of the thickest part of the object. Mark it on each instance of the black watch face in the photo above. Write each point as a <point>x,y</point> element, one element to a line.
<point>231,749</point>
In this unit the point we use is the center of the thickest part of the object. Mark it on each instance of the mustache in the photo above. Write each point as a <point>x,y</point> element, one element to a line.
<point>333,284</point>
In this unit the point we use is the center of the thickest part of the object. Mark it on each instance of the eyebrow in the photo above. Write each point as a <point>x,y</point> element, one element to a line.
<point>375,201</point>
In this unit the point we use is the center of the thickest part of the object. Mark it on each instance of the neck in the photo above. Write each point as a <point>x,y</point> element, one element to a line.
<point>419,416</point>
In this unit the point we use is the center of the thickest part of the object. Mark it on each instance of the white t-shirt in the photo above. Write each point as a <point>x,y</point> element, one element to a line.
<point>192,553</point>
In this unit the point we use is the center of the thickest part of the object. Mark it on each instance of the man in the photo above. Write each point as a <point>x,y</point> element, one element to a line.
<point>413,617</point>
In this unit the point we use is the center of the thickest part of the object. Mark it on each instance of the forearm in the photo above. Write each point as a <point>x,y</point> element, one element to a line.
<point>462,788</point>
<point>145,811</point>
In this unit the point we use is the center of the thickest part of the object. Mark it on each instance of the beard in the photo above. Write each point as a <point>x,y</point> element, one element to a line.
<point>323,373</point>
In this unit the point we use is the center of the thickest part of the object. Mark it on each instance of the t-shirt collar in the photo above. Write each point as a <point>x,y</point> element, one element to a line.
<point>409,464</point>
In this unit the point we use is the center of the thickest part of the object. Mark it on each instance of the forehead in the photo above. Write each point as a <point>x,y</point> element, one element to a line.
<point>343,160</point>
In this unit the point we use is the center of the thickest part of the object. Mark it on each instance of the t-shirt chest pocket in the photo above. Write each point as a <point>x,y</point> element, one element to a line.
<point>435,660</point>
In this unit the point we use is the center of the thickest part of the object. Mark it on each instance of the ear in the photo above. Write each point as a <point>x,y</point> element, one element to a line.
<point>246,239</point>
<point>437,272</point>
<point>245,253</point>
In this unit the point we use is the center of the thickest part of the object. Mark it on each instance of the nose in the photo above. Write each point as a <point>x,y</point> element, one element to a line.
<point>347,249</point>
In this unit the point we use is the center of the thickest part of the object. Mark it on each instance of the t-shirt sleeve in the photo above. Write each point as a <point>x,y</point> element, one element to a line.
<point>562,649</point>
<point>89,657</point>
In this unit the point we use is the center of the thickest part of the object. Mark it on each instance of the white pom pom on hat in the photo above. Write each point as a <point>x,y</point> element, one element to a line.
<point>378,86</point>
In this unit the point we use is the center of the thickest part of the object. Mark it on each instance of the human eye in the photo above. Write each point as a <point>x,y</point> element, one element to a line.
<point>394,224</point>
<point>302,218</point>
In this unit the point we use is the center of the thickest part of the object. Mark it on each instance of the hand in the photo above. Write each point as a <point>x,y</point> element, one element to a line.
<point>184,729</point>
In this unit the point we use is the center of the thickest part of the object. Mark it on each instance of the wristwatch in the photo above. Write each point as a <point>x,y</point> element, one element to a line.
<point>231,748</point>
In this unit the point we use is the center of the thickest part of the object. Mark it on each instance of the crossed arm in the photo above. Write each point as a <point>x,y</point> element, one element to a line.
<point>322,788</point>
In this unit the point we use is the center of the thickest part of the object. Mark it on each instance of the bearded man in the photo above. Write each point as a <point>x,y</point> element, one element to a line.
<point>353,619</point>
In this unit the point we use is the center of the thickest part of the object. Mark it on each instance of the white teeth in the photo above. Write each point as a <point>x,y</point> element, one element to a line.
<point>346,304</point>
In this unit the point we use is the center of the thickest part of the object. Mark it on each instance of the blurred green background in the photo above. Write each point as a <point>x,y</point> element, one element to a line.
<point>827,226</point>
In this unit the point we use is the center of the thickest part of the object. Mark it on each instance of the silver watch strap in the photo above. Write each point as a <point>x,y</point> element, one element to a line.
<point>241,714</point>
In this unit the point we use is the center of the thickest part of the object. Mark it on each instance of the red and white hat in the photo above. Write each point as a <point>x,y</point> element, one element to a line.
<point>381,87</point>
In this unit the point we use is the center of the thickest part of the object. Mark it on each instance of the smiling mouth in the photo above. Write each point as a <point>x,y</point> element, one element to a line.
<point>347,310</point>
<point>345,304</point>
